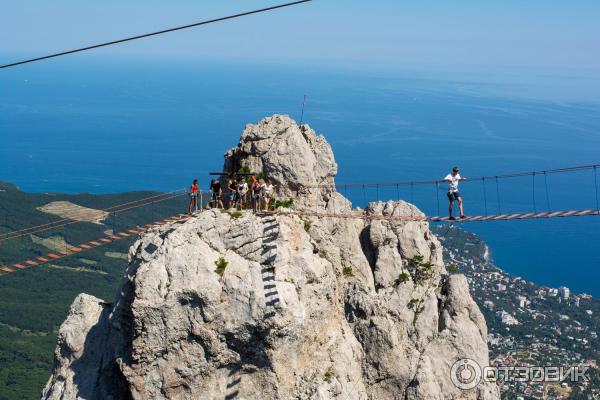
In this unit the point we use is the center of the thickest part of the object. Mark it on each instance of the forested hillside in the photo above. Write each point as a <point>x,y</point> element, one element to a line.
<point>34,302</point>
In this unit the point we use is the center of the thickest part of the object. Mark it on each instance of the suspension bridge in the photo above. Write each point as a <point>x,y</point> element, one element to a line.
<point>539,208</point>
<point>149,201</point>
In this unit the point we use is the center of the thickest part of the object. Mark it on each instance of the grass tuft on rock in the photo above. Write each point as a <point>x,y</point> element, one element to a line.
<point>403,277</point>
<point>452,268</point>
<point>307,225</point>
<point>347,271</point>
<point>286,203</point>
<point>221,264</point>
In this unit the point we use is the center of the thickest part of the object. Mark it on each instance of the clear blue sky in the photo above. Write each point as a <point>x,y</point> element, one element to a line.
<point>556,35</point>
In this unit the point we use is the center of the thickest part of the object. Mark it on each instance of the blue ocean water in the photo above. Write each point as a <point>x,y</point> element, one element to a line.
<point>73,126</point>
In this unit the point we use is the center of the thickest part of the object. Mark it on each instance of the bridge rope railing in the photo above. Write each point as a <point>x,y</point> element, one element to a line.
<point>69,250</point>
<point>440,181</point>
<point>438,184</point>
<point>82,216</point>
<point>488,182</point>
<point>362,215</point>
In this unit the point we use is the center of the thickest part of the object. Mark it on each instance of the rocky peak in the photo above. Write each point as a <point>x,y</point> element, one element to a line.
<point>267,306</point>
<point>298,162</point>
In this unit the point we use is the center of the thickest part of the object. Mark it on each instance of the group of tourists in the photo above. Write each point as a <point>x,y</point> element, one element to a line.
<point>259,192</point>
<point>241,193</point>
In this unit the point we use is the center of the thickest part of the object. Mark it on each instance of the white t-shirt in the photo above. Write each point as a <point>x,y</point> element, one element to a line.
<point>268,189</point>
<point>453,182</point>
<point>243,188</point>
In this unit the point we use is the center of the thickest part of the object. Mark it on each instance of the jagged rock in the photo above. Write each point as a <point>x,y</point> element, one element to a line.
<point>277,306</point>
<point>298,162</point>
<point>81,369</point>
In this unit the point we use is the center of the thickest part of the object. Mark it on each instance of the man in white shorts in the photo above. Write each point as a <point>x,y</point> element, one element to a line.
<point>453,179</point>
<point>242,191</point>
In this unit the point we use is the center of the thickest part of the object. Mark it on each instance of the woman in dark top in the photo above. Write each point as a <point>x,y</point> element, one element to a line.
<point>217,192</point>
<point>232,188</point>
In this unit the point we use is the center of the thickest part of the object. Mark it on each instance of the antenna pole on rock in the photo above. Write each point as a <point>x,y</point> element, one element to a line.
<point>303,104</point>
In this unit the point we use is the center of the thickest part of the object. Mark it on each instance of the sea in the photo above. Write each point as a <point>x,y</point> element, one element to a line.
<point>103,125</point>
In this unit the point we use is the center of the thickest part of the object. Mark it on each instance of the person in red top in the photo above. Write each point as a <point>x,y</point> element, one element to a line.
<point>194,191</point>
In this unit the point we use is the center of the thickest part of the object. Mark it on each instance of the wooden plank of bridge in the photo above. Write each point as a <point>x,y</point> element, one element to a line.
<point>540,215</point>
<point>569,213</point>
<point>527,215</point>
<point>512,216</point>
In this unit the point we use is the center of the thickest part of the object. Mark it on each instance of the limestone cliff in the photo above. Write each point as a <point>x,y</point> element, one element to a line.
<point>224,306</point>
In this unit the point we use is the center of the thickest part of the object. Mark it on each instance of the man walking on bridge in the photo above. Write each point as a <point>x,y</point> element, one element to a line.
<point>453,194</point>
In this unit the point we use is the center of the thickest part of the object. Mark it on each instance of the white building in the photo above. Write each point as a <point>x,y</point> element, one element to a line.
<point>522,301</point>
<point>488,304</point>
<point>500,287</point>
<point>506,318</point>
<point>564,292</point>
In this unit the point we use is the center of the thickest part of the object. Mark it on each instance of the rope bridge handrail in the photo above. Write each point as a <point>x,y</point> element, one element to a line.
<point>176,193</point>
<point>438,181</point>
<point>425,218</point>
<point>76,249</point>
<point>118,208</point>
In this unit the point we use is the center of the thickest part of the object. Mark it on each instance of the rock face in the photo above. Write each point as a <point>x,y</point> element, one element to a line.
<point>298,162</point>
<point>226,306</point>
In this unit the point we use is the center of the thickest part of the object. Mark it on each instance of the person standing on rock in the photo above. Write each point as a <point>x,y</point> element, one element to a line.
<point>453,179</point>
<point>254,192</point>
<point>232,192</point>
<point>260,194</point>
<point>217,193</point>
<point>242,190</point>
<point>268,190</point>
<point>194,191</point>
